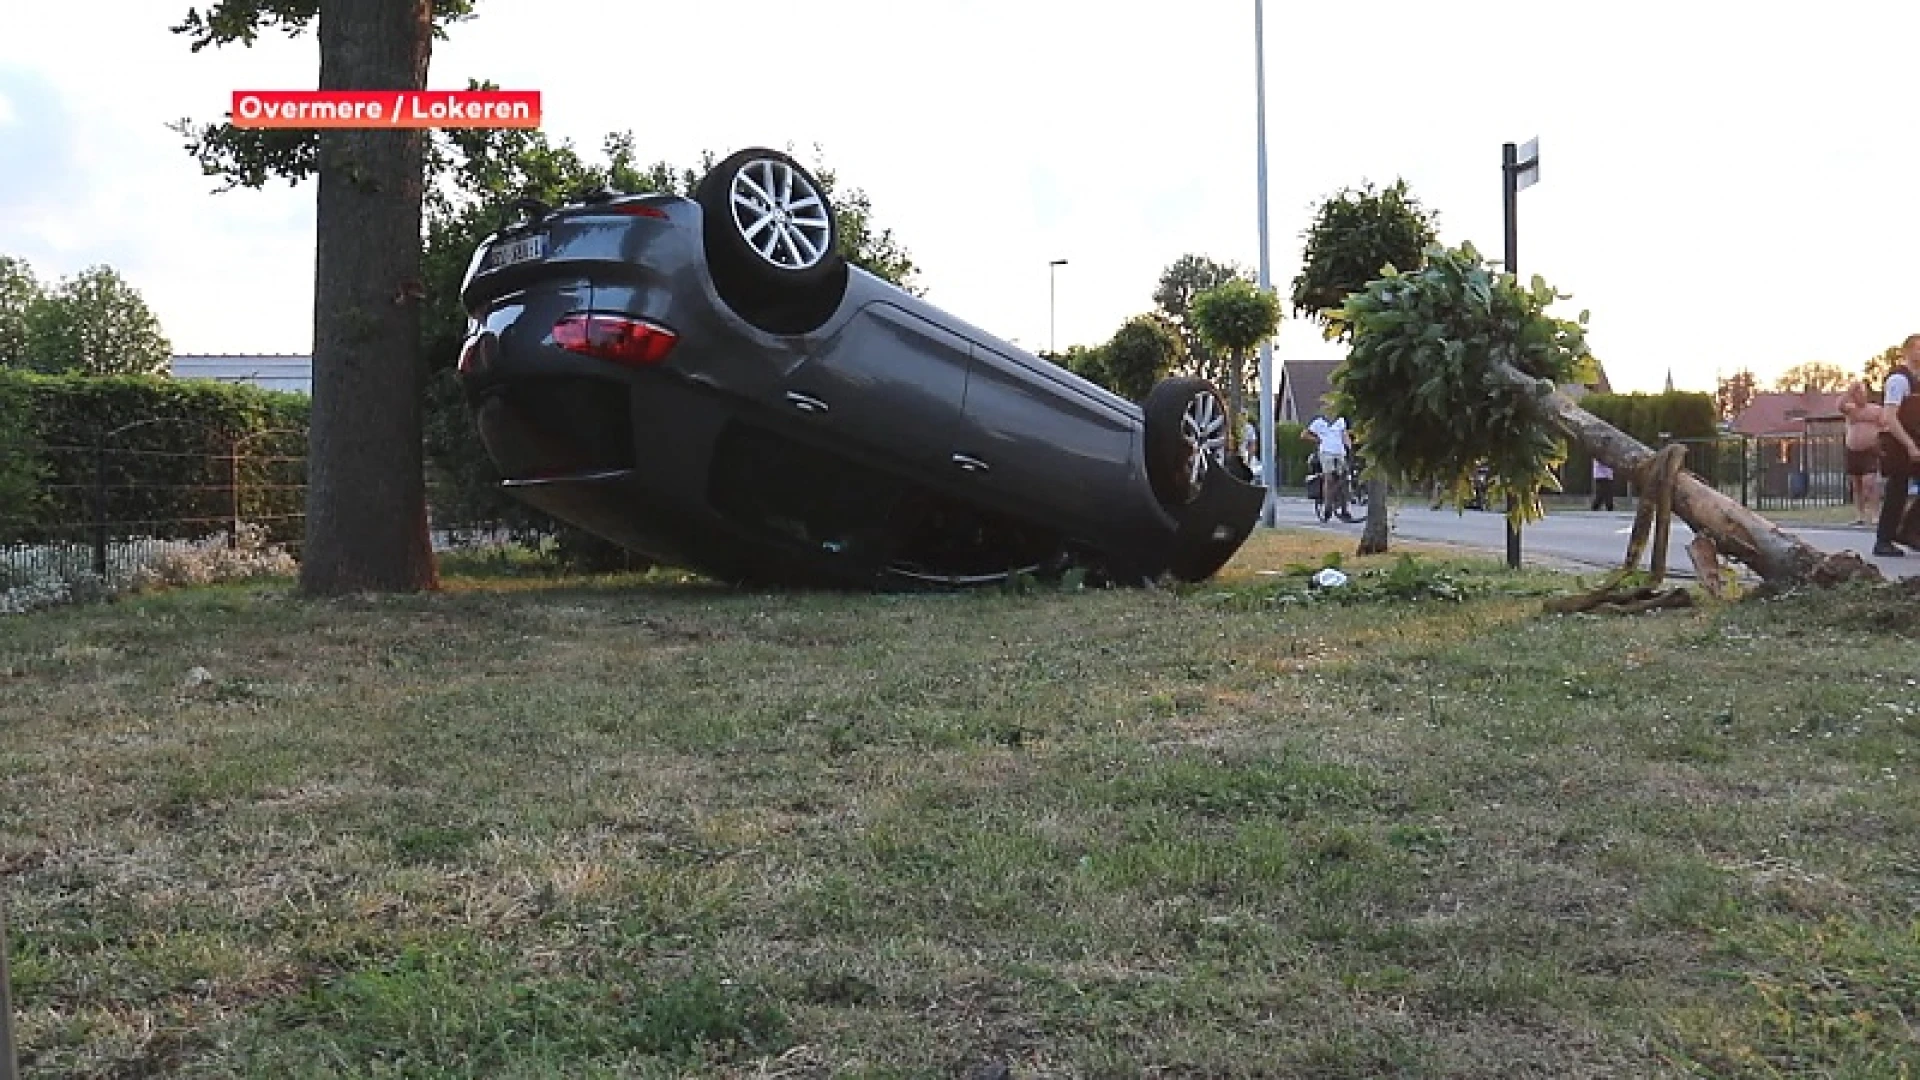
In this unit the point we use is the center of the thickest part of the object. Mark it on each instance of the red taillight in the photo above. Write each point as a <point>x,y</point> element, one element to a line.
<point>640,210</point>
<point>617,338</point>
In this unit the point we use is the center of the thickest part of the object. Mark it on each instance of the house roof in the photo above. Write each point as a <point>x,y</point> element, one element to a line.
<point>274,371</point>
<point>1774,412</point>
<point>1308,385</point>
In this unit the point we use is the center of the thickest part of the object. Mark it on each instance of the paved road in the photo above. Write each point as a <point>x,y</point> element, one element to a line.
<point>1596,538</point>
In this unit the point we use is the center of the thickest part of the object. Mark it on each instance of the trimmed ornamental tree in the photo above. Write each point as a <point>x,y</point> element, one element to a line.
<point>1180,284</point>
<point>1357,234</point>
<point>366,527</point>
<point>1234,318</point>
<point>1454,364</point>
<point>1141,353</point>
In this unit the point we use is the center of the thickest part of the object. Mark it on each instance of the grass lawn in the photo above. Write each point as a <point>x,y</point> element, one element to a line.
<point>649,827</point>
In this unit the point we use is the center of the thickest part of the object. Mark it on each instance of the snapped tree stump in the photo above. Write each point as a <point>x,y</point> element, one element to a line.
<point>1781,559</point>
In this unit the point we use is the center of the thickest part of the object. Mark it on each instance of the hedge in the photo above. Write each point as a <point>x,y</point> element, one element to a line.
<point>1680,414</point>
<point>161,453</point>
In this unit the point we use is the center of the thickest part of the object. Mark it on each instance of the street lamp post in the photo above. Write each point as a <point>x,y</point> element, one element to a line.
<point>1267,479</point>
<point>1053,342</point>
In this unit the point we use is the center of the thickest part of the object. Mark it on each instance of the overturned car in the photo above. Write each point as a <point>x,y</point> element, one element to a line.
<point>708,382</point>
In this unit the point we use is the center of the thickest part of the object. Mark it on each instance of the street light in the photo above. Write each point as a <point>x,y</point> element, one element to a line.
<point>1053,344</point>
<point>1268,512</point>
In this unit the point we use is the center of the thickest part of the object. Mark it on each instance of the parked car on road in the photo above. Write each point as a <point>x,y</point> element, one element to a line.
<point>707,381</point>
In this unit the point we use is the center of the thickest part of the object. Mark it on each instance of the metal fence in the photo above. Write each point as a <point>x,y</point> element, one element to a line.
<point>1761,472</point>
<point>120,504</point>
<point>114,506</point>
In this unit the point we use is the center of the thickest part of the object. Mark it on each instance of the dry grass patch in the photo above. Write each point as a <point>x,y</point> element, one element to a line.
<point>646,827</point>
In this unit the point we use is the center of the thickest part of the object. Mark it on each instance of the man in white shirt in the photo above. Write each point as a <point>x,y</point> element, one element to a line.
<point>1898,454</point>
<point>1330,438</point>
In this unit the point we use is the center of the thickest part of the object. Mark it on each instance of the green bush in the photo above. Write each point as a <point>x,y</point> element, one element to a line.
<point>163,455</point>
<point>1682,414</point>
<point>1290,453</point>
<point>23,469</point>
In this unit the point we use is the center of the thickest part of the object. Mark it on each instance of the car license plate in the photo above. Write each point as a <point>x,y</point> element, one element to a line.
<point>525,249</point>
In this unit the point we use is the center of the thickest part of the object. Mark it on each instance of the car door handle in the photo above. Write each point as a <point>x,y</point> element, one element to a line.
<point>806,403</point>
<point>969,463</point>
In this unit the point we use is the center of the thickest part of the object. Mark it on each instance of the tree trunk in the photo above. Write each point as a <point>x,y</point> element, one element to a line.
<point>1373,537</point>
<point>1236,399</point>
<point>366,486</point>
<point>1780,558</point>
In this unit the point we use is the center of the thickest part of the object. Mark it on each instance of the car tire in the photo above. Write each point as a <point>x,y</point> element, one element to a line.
<point>772,241</point>
<point>1186,438</point>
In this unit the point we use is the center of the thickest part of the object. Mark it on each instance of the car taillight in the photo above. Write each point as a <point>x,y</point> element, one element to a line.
<point>623,340</point>
<point>640,210</point>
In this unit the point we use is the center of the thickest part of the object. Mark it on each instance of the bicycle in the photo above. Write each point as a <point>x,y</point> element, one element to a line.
<point>1324,501</point>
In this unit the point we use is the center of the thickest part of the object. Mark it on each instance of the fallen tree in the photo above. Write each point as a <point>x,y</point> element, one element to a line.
<point>1454,365</point>
<point>1780,558</point>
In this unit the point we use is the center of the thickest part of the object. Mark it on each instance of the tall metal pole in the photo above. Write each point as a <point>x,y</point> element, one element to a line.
<point>1053,277</point>
<point>1510,195</point>
<point>1268,515</point>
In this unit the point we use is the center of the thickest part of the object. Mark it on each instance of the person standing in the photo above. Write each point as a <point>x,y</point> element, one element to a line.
<point>1602,485</point>
<point>1863,450</point>
<point>1899,418</point>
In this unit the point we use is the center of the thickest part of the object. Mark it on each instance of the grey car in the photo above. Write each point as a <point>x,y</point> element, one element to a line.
<point>705,380</point>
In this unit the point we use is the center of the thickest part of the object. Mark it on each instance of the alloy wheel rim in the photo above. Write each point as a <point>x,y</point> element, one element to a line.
<point>1204,425</point>
<point>780,214</point>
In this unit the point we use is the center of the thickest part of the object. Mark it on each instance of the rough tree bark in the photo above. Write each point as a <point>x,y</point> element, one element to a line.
<point>1373,536</point>
<point>1780,558</point>
<point>366,490</point>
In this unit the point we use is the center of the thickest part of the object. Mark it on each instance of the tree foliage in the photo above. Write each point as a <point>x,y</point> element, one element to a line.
<point>1357,233</point>
<point>1233,318</point>
<point>1180,284</point>
<point>1734,393</point>
<point>1878,367</point>
<point>1813,377</point>
<point>250,157</point>
<point>21,294</point>
<point>1143,351</point>
<point>92,323</point>
<point>1419,386</point>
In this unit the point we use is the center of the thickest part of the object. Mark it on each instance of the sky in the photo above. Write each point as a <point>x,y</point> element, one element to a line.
<point>1723,185</point>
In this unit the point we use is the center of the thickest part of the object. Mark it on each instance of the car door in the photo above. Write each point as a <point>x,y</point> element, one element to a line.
<point>1041,446</point>
<point>888,386</point>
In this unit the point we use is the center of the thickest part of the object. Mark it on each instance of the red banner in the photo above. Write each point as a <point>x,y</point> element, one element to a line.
<point>386,108</point>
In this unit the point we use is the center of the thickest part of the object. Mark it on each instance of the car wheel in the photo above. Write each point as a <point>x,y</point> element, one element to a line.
<point>1186,438</point>
<point>772,240</point>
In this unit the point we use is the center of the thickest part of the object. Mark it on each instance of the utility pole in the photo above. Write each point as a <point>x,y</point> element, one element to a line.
<point>1269,510</point>
<point>1053,290</point>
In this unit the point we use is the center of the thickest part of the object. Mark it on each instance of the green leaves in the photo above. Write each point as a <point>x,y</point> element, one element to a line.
<point>1359,235</point>
<point>93,323</point>
<point>1236,316</point>
<point>1420,386</point>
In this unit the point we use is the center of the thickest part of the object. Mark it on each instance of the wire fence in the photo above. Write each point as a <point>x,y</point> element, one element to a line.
<point>117,506</point>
